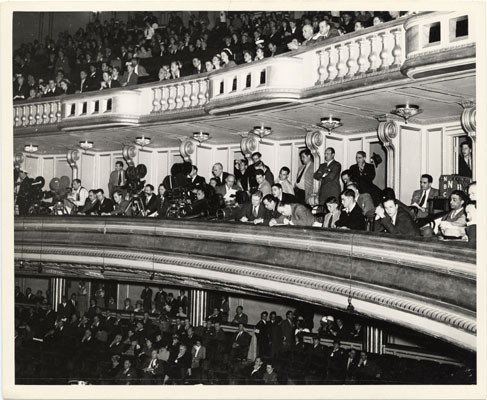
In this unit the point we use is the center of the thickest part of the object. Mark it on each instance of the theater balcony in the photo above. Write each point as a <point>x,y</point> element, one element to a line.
<point>421,284</point>
<point>401,51</point>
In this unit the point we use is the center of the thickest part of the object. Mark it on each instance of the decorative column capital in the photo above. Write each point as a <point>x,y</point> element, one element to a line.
<point>314,139</point>
<point>315,142</point>
<point>469,117</point>
<point>249,145</point>
<point>18,159</point>
<point>387,129</point>
<point>73,156</point>
<point>129,152</point>
<point>187,149</point>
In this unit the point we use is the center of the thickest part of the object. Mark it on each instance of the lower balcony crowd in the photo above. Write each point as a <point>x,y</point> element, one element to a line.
<point>154,343</point>
<point>110,54</point>
<point>254,195</point>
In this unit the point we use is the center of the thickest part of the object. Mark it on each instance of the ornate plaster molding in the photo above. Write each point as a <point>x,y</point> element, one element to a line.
<point>187,149</point>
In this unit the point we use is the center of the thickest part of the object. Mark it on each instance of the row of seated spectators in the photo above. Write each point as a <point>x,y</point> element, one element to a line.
<point>253,195</point>
<point>113,347</point>
<point>114,53</point>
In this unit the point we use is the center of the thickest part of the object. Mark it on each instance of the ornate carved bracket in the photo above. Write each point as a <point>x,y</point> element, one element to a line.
<point>249,145</point>
<point>73,156</point>
<point>315,142</point>
<point>187,149</point>
<point>387,131</point>
<point>129,152</point>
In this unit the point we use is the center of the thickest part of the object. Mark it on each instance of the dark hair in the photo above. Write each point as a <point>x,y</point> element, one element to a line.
<point>277,185</point>
<point>119,192</point>
<point>346,172</point>
<point>331,200</point>
<point>386,199</point>
<point>259,172</point>
<point>270,197</point>
<point>258,193</point>
<point>348,193</point>
<point>388,192</point>
<point>331,149</point>
<point>256,154</point>
<point>461,194</point>
<point>305,151</point>
<point>427,176</point>
<point>245,161</point>
<point>119,163</point>
<point>466,142</point>
<point>77,181</point>
<point>195,168</point>
<point>285,169</point>
<point>100,191</point>
<point>150,186</point>
<point>362,153</point>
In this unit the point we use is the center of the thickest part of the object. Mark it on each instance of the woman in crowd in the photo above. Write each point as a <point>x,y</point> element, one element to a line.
<point>164,73</point>
<point>176,69</point>
<point>227,58</point>
<point>216,61</point>
<point>247,56</point>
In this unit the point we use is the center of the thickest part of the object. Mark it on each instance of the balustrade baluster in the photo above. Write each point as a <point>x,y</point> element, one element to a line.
<point>38,113</point>
<point>186,90</point>
<point>17,116</point>
<point>164,96</point>
<point>23,118</point>
<point>156,103</point>
<point>193,98</point>
<point>322,69</point>
<point>31,115</point>
<point>57,115</point>
<point>45,112</point>
<point>342,61</point>
<point>397,51</point>
<point>363,62</point>
<point>352,62</point>
<point>332,65</point>
<point>171,98</point>
<point>179,96</point>
<point>202,92</point>
<point>385,54</point>
<point>375,48</point>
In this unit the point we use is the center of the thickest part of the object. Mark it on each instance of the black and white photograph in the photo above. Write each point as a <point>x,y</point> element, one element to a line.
<point>280,196</point>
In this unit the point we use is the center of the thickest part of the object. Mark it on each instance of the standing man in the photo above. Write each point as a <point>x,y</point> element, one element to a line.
<point>465,160</point>
<point>218,173</point>
<point>117,178</point>
<point>420,197</point>
<point>304,181</point>
<point>329,174</point>
<point>194,179</point>
<point>363,174</point>
<point>80,194</point>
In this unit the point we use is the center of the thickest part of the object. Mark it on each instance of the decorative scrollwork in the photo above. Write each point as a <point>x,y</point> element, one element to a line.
<point>129,152</point>
<point>187,149</point>
<point>249,145</point>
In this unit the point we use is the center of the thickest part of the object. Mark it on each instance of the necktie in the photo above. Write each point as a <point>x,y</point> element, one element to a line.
<point>301,174</point>
<point>330,221</point>
<point>469,162</point>
<point>255,212</point>
<point>423,198</point>
<point>119,178</point>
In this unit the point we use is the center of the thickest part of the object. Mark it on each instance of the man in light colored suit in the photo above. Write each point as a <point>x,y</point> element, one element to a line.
<point>304,181</point>
<point>138,69</point>
<point>117,178</point>
<point>329,174</point>
<point>264,186</point>
<point>420,197</point>
<point>198,353</point>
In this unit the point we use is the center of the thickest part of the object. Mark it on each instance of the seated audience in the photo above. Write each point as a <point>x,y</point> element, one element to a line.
<point>391,219</point>
<point>295,214</point>
<point>333,214</point>
<point>421,197</point>
<point>351,216</point>
<point>452,225</point>
<point>254,211</point>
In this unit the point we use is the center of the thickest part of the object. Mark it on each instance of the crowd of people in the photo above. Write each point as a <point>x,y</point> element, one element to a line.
<point>148,344</point>
<point>347,199</point>
<point>109,54</point>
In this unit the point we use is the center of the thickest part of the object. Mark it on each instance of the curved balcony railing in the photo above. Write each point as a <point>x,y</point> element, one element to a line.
<point>423,284</point>
<point>400,47</point>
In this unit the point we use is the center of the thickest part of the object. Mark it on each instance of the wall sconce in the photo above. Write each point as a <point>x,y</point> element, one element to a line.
<point>143,141</point>
<point>31,148</point>
<point>330,123</point>
<point>407,111</point>
<point>86,145</point>
<point>201,137</point>
<point>262,131</point>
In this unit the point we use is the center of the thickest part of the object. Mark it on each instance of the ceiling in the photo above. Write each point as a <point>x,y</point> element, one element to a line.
<point>439,99</point>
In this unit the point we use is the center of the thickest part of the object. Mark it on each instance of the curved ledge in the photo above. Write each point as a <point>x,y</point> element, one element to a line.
<point>424,281</point>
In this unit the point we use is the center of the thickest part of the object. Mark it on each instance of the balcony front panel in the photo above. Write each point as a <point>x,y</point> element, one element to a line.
<point>404,281</point>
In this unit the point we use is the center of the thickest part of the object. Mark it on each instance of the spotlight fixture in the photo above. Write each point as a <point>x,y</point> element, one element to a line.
<point>407,111</point>
<point>152,276</point>
<point>262,131</point>
<point>201,136</point>
<point>330,123</point>
<point>86,145</point>
<point>31,148</point>
<point>143,141</point>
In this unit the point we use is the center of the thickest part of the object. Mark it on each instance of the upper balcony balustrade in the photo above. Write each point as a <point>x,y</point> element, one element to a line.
<point>404,281</point>
<point>402,48</point>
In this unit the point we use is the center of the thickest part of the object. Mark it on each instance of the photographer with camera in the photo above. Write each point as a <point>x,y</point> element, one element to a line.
<point>149,201</point>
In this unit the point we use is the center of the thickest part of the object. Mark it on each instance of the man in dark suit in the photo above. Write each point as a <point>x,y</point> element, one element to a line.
<point>104,206</point>
<point>64,309</point>
<point>271,204</point>
<point>218,174</point>
<point>117,178</point>
<point>351,366</point>
<point>240,344</point>
<point>93,79</point>
<point>394,220</point>
<point>280,195</point>
<point>252,169</point>
<point>52,89</point>
<point>229,189</point>
<point>120,206</point>
<point>149,200</point>
<point>363,174</point>
<point>84,82</point>
<point>351,216</point>
<point>254,211</point>
<point>329,175</point>
<point>146,297</point>
<point>194,179</point>
<point>316,360</point>
<point>295,214</point>
<point>129,78</point>
<point>287,331</point>
<point>256,372</point>
<point>336,364</point>
<point>465,160</point>
<point>420,197</point>
<point>262,335</point>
